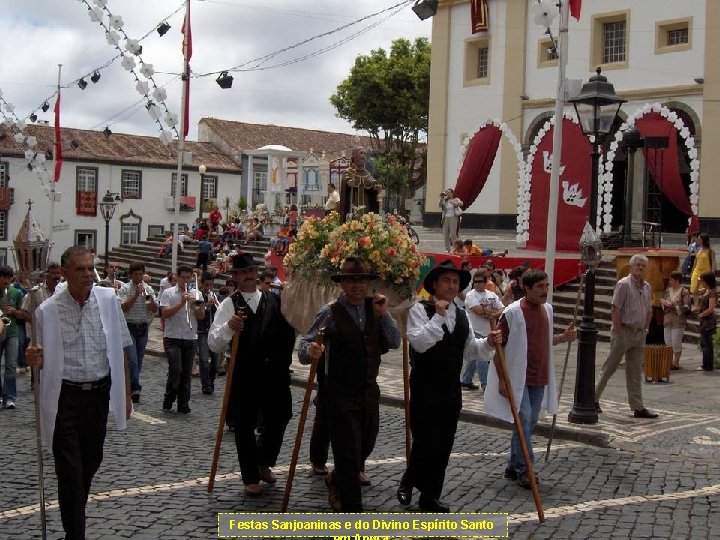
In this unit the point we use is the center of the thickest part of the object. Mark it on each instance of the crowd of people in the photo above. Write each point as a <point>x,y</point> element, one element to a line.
<point>470,314</point>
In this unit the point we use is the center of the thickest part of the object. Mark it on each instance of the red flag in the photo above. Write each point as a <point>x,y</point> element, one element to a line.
<point>58,141</point>
<point>187,51</point>
<point>575,6</point>
<point>479,15</point>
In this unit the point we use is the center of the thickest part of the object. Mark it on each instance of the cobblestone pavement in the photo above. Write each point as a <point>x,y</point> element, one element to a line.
<point>152,483</point>
<point>622,477</point>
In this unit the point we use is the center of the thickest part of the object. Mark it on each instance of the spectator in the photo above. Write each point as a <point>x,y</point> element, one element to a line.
<point>676,304</point>
<point>704,262</point>
<point>204,251</point>
<point>215,218</point>
<point>708,320</point>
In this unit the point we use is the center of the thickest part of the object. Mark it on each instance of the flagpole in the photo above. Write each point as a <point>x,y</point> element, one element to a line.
<point>55,179</point>
<point>551,235</point>
<point>181,142</point>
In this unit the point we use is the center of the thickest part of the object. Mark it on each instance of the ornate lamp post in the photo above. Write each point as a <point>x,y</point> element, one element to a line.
<point>202,169</point>
<point>107,208</point>
<point>597,107</point>
<point>632,140</point>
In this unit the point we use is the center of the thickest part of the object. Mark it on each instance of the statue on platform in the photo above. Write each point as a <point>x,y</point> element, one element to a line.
<point>359,191</point>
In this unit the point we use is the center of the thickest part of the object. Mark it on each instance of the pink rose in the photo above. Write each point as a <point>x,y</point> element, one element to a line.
<point>390,252</point>
<point>363,241</point>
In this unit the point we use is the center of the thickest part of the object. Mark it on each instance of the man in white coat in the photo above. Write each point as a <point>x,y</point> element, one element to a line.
<point>527,330</point>
<point>81,333</point>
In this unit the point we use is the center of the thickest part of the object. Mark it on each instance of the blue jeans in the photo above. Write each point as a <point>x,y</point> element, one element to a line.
<point>9,349</point>
<point>529,412</point>
<point>482,367</point>
<point>136,353</point>
<point>208,363</point>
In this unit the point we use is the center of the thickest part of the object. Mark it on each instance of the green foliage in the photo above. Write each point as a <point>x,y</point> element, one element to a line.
<point>387,95</point>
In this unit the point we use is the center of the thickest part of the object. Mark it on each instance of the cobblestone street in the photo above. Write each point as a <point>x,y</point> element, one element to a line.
<point>152,483</point>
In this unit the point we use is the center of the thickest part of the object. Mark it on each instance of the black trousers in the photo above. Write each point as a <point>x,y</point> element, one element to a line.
<point>274,405</point>
<point>320,437</point>
<point>180,354</point>
<point>434,415</point>
<point>354,419</point>
<point>80,428</point>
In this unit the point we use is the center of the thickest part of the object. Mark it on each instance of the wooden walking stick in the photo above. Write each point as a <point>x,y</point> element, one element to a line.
<point>562,378</point>
<point>406,396</point>
<point>239,310</point>
<point>301,423</point>
<point>505,379</point>
<point>38,434</point>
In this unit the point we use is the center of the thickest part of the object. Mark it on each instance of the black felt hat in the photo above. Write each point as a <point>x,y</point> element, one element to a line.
<point>446,266</point>
<point>241,261</point>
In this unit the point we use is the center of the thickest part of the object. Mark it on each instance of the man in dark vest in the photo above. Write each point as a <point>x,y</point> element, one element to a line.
<point>439,334</point>
<point>358,330</point>
<point>261,380</point>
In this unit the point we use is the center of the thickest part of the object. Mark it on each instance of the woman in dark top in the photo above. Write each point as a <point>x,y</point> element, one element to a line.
<point>708,322</point>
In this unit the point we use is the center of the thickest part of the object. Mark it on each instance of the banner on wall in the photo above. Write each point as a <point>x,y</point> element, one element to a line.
<point>573,204</point>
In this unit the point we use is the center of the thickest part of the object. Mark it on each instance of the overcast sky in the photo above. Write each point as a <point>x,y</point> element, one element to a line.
<point>40,34</point>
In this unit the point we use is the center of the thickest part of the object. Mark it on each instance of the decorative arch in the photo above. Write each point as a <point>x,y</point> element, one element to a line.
<point>512,139</point>
<point>606,178</point>
<point>535,125</point>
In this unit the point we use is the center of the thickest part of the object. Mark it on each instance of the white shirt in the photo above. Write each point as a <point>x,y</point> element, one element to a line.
<point>252,299</point>
<point>449,209</point>
<point>489,300</point>
<point>332,201</point>
<point>423,333</point>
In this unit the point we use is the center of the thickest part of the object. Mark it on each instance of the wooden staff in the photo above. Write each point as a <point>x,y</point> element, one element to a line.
<point>301,423</point>
<point>226,400</point>
<point>562,378</point>
<point>406,396</point>
<point>38,434</point>
<point>505,379</point>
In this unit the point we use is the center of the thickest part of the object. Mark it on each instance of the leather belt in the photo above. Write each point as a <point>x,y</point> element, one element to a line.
<point>633,329</point>
<point>101,384</point>
<point>129,323</point>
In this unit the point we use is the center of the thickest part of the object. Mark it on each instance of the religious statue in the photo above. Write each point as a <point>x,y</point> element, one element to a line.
<point>359,191</point>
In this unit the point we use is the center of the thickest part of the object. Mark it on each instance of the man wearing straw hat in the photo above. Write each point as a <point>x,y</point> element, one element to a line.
<point>440,336</point>
<point>527,334</point>
<point>358,329</point>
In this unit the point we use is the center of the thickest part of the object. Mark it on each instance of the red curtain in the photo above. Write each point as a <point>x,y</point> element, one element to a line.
<point>665,170</point>
<point>478,161</point>
<point>573,204</point>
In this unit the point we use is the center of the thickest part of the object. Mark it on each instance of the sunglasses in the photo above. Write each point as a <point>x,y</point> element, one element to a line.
<point>358,279</point>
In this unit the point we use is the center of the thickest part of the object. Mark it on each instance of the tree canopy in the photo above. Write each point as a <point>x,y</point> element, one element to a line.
<point>387,95</point>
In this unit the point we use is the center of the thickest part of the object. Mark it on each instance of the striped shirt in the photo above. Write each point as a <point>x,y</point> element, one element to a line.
<point>138,312</point>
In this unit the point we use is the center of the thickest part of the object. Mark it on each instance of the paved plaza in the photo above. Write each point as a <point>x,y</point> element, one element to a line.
<point>620,478</point>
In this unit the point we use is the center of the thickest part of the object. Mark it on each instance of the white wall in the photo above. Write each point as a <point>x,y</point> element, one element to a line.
<point>151,208</point>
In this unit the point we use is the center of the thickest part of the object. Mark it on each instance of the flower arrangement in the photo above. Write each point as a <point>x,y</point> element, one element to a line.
<point>323,244</point>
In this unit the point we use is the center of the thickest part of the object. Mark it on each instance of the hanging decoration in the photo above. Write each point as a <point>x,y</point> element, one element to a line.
<point>575,185</point>
<point>131,54</point>
<point>606,176</point>
<point>523,172</point>
<point>34,159</point>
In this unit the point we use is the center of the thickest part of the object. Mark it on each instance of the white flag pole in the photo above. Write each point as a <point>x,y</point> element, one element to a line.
<point>551,235</point>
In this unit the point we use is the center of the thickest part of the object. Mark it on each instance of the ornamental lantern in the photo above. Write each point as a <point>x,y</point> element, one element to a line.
<point>32,247</point>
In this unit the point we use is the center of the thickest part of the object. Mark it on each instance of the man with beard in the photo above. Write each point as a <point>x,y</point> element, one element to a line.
<point>527,333</point>
<point>261,380</point>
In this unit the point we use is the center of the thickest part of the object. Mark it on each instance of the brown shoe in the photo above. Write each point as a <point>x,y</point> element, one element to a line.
<point>267,475</point>
<point>333,497</point>
<point>320,469</point>
<point>363,479</point>
<point>253,490</point>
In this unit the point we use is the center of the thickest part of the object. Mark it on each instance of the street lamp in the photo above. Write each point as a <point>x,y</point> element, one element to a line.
<point>202,169</point>
<point>597,108</point>
<point>107,208</point>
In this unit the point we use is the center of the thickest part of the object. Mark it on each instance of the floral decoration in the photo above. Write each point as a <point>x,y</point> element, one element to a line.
<point>323,244</point>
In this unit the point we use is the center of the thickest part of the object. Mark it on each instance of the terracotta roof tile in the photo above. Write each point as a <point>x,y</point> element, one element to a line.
<point>244,137</point>
<point>137,150</point>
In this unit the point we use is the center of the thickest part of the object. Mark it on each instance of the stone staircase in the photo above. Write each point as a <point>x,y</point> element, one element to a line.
<point>147,251</point>
<point>565,297</point>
